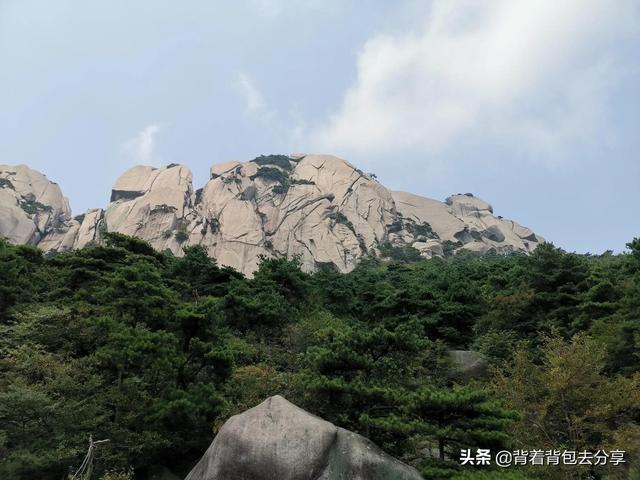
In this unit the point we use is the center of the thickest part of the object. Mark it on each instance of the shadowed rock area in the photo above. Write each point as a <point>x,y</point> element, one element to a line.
<point>278,441</point>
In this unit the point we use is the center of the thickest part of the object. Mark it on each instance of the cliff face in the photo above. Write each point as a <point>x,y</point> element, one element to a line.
<point>317,207</point>
<point>31,206</point>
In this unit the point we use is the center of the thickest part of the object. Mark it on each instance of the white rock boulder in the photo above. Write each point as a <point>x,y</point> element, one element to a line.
<point>278,441</point>
<point>31,206</point>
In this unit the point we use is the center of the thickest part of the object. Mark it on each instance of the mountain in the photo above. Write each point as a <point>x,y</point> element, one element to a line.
<point>317,207</point>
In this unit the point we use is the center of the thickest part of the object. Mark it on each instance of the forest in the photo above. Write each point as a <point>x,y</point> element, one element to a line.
<point>154,352</point>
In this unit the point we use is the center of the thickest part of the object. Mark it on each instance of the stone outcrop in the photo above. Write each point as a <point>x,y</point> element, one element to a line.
<point>471,364</point>
<point>316,207</point>
<point>155,204</point>
<point>277,440</point>
<point>465,221</point>
<point>31,206</point>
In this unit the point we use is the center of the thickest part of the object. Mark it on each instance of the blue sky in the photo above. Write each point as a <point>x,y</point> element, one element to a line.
<point>533,106</point>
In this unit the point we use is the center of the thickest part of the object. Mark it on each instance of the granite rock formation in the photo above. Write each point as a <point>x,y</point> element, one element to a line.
<point>31,206</point>
<point>278,441</point>
<point>316,207</point>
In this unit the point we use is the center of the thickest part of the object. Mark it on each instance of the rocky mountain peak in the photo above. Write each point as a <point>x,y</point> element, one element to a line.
<point>31,206</point>
<point>319,208</point>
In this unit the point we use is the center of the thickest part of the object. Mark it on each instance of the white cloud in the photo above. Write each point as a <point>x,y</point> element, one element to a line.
<point>283,127</point>
<point>534,75</point>
<point>255,105</point>
<point>253,99</point>
<point>141,147</point>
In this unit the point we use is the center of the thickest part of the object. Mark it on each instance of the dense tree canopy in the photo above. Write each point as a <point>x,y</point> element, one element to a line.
<point>155,352</point>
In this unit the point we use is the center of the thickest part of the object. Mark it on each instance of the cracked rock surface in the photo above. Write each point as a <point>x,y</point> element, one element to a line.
<point>31,206</point>
<point>279,441</point>
<point>319,208</point>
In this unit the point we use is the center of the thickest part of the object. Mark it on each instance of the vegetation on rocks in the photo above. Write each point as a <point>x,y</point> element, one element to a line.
<point>155,352</point>
<point>404,254</point>
<point>32,207</point>
<point>6,183</point>
<point>281,176</point>
<point>164,208</point>
<point>281,161</point>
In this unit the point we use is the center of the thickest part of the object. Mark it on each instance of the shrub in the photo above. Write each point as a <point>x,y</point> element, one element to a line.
<point>281,161</point>
<point>32,207</point>
<point>181,236</point>
<point>420,229</point>
<point>279,189</point>
<point>164,208</point>
<point>405,254</point>
<point>302,181</point>
<point>271,173</point>
<point>411,226</point>
<point>340,217</point>
<point>448,247</point>
<point>214,224</point>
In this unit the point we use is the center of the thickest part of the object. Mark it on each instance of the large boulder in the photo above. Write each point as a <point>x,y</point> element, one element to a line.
<point>464,220</point>
<point>152,204</point>
<point>471,364</point>
<point>31,206</point>
<point>318,208</point>
<point>278,441</point>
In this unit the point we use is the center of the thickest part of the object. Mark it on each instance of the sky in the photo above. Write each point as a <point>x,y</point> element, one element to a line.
<point>533,106</point>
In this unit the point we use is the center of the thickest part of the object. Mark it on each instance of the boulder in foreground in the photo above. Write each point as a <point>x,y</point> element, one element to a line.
<point>278,441</point>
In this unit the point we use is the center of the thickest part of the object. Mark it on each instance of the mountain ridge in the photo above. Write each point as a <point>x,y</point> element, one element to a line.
<point>319,208</point>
